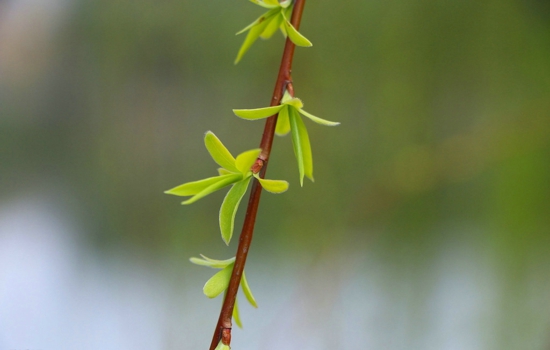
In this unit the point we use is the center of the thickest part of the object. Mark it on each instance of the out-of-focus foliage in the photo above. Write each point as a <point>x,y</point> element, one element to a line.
<point>444,142</point>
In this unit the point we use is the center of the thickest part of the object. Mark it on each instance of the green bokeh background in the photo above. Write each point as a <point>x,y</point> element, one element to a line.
<point>443,149</point>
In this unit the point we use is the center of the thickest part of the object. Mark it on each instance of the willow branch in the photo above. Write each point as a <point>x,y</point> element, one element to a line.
<point>223,327</point>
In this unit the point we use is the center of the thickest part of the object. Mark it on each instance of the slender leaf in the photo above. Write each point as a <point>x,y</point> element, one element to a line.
<point>218,283</point>
<point>229,208</point>
<point>246,159</point>
<point>216,264</point>
<point>283,125</point>
<point>257,113</point>
<point>295,102</point>
<point>247,292</point>
<point>219,152</point>
<point>254,33</point>
<point>259,20</point>
<point>317,119</point>
<point>222,346</point>
<point>273,186</point>
<point>223,171</point>
<point>236,314</point>
<point>274,24</point>
<point>295,36</point>
<point>192,188</point>
<point>225,180</point>
<point>302,148</point>
<point>268,4</point>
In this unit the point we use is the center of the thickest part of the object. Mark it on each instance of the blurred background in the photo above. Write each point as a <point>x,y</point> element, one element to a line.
<point>428,226</point>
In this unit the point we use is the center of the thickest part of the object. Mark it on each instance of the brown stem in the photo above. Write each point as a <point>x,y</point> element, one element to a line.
<point>223,327</point>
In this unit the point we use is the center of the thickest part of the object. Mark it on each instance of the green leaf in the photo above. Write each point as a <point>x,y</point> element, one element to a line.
<point>273,186</point>
<point>247,292</point>
<point>317,119</point>
<point>283,125</point>
<point>246,159</point>
<point>222,346</point>
<point>274,24</point>
<point>295,102</point>
<point>302,147</point>
<point>215,264</point>
<point>225,180</point>
<point>223,171</point>
<point>257,113</point>
<point>268,4</point>
<point>229,208</point>
<point>295,36</point>
<point>192,188</point>
<point>218,152</point>
<point>218,283</point>
<point>255,30</point>
<point>236,315</point>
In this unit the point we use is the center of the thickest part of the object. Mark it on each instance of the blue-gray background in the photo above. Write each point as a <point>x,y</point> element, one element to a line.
<point>428,224</point>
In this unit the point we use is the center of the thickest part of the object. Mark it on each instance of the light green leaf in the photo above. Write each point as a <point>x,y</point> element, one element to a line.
<point>268,4</point>
<point>219,152</point>
<point>247,292</point>
<point>229,208</point>
<point>218,283</point>
<point>283,125</point>
<point>295,102</point>
<point>273,186</point>
<point>274,24</point>
<point>317,119</point>
<point>222,346</point>
<point>302,147</point>
<point>223,171</point>
<point>194,187</point>
<point>259,20</point>
<point>295,36</point>
<point>256,29</point>
<point>215,264</point>
<point>236,315</point>
<point>225,180</point>
<point>257,113</point>
<point>246,159</point>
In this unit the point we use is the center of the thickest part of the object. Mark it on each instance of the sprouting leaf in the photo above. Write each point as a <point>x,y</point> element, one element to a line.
<point>219,153</point>
<point>223,171</point>
<point>295,36</point>
<point>254,31</point>
<point>266,3</point>
<point>222,346</point>
<point>192,188</point>
<point>272,27</point>
<point>229,208</point>
<point>283,125</point>
<point>273,186</point>
<point>216,264</point>
<point>257,113</point>
<point>247,292</point>
<point>218,283</point>
<point>225,180</point>
<point>236,315</point>
<point>302,147</point>
<point>317,119</point>
<point>245,160</point>
<point>295,102</point>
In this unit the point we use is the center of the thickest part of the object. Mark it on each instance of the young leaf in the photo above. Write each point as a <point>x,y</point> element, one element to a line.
<point>225,180</point>
<point>236,315</point>
<point>192,188</point>
<point>295,102</point>
<point>222,346</point>
<point>229,208</point>
<point>272,27</point>
<point>273,186</point>
<point>216,264</point>
<point>247,292</point>
<point>283,125</point>
<point>256,29</point>
<point>268,4</point>
<point>257,113</point>
<point>302,147</point>
<point>245,160</point>
<point>317,119</point>
<point>218,283</point>
<point>223,171</point>
<point>219,153</point>
<point>295,36</point>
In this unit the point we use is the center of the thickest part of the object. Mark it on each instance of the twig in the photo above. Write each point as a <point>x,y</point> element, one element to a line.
<point>223,327</point>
